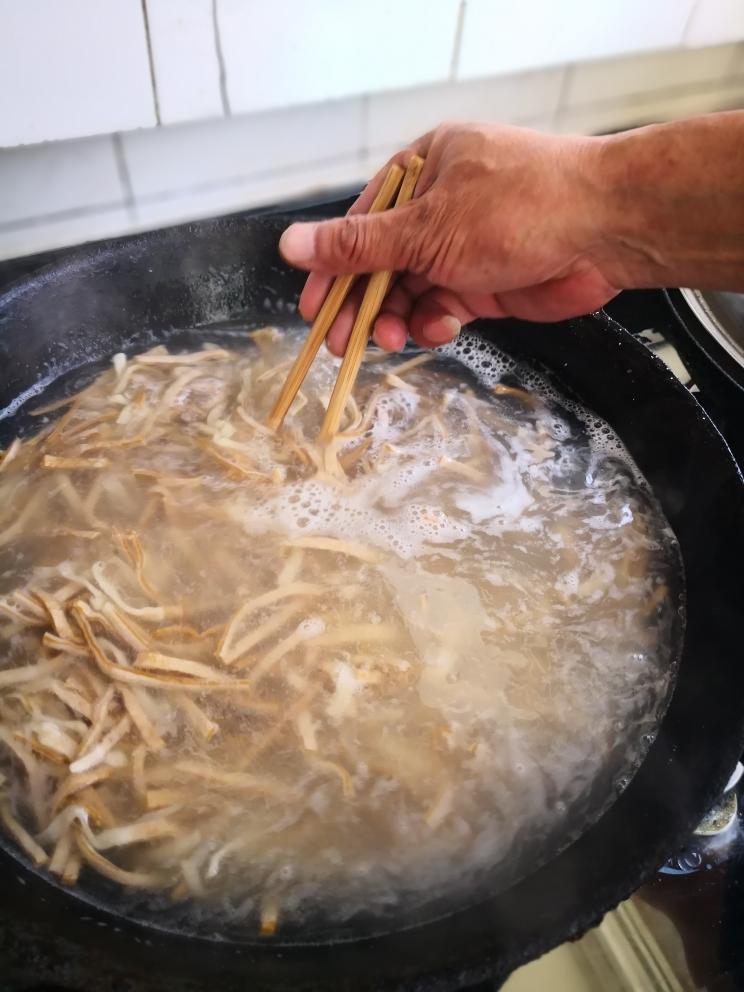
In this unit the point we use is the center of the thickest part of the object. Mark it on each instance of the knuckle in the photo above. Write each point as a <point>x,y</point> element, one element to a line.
<point>422,241</point>
<point>348,240</point>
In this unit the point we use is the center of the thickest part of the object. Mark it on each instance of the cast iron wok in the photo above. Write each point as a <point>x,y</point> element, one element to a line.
<point>131,294</point>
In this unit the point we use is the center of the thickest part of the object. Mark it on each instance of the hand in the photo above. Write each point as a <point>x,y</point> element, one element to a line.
<point>505,222</point>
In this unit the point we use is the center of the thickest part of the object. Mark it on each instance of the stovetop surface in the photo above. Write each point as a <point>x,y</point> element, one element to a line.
<point>700,889</point>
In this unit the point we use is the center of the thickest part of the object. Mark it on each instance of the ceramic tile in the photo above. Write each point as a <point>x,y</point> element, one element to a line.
<point>736,65</point>
<point>716,21</point>
<point>616,115</point>
<point>591,82</point>
<point>57,177</point>
<point>211,152</point>
<point>503,36</point>
<point>311,180</point>
<point>187,71</point>
<point>286,52</point>
<point>47,233</point>
<point>74,68</point>
<point>395,118</point>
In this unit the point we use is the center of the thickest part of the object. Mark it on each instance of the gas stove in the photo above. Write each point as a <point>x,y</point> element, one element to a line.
<point>693,909</point>
<point>683,929</point>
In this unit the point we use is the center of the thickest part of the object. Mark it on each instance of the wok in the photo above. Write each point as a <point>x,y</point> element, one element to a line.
<point>130,294</point>
<point>708,331</point>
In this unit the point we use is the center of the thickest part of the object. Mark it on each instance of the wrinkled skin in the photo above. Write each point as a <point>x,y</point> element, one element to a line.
<point>501,226</point>
<point>510,222</point>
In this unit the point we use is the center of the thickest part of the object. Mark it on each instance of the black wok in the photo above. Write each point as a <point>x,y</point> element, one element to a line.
<point>130,294</point>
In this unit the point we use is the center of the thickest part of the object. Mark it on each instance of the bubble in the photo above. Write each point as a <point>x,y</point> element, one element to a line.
<point>311,627</point>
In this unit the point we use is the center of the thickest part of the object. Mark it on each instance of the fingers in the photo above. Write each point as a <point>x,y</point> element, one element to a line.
<point>347,244</point>
<point>364,201</point>
<point>418,147</point>
<point>313,293</point>
<point>317,284</point>
<point>358,242</point>
<point>433,318</point>
<point>390,329</point>
<point>391,332</point>
<point>338,335</point>
<point>437,317</point>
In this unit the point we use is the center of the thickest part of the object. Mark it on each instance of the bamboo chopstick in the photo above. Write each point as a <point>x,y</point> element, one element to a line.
<point>327,313</point>
<point>372,301</point>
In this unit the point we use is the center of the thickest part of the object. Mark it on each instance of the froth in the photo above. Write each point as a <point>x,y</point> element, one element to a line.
<point>489,365</point>
<point>316,507</point>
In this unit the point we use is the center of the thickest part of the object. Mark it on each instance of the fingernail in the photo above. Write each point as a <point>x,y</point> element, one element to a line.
<point>297,244</point>
<point>443,329</point>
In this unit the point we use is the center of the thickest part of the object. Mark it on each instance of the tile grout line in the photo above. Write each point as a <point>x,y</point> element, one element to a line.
<point>565,84</point>
<point>363,149</point>
<point>688,23</point>
<point>232,181</point>
<point>459,25</point>
<point>124,177</point>
<point>130,202</point>
<point>73,213</point>
<point>733,62</point>
<point>224,96</point>
<point>151,62</point>
<point>158,198</point>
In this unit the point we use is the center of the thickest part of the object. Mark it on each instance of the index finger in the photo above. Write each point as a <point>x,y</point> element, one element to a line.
<point>418,147</point>
<point>317,284</point>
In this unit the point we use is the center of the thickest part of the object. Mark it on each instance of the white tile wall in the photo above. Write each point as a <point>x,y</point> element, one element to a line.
<point>184,52</point>
<point>66,192</point>
<point>716,21</point>
<point>508,36</point>
<point>665,106</point>
<point>209,201</point>
<point>76,67</point>
<point>56,178</point>
<point>81,67</point>
<point>56,231</point>
<point>736,66</point>
<point>395,118</point>
<point>593,82</point>
<point>280,52</point>
<point>190,156</point>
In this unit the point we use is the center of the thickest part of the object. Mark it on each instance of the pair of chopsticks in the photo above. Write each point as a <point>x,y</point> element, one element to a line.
<point>398,186</point>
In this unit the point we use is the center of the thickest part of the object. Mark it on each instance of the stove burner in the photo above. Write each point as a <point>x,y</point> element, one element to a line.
<point>719,833</point>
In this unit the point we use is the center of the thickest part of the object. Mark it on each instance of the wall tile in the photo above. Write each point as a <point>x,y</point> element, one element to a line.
<point>74,68</point>
<point>504,36</point>
<point>374,158</point>
<point>619,114</point>
<point>736,65</point>
<point>313,180</point>
<point>57,177</point>
<point>395,118</point>
<point>47,233</point>
<point>592,82</point>
<point>716,21</point>
<point>281,52</point>
<point>187,72</point>
<point>159,210</point>
<point>217,151</point>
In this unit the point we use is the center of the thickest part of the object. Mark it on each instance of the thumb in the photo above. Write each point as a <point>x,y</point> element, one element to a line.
<point>356,243</point>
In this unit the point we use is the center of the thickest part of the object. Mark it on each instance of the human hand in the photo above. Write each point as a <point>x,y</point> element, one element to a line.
<point>505,222</point>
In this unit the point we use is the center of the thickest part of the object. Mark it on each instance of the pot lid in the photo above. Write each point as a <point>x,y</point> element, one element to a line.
<point>722,315</point>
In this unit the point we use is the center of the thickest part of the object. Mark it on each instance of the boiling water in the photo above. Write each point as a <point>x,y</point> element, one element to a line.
<point>292,688</point>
